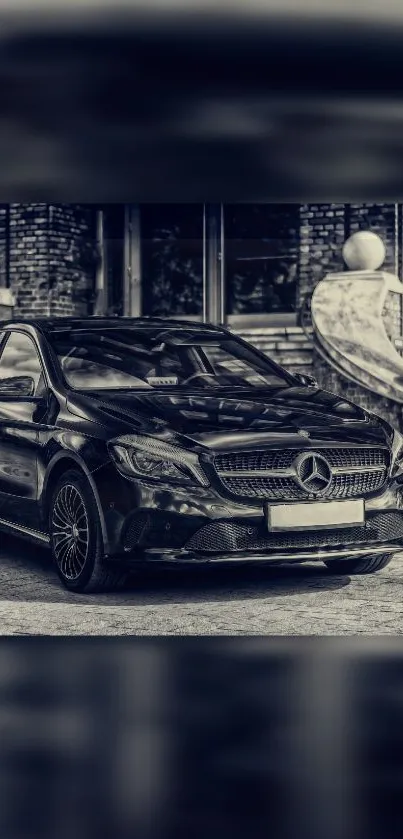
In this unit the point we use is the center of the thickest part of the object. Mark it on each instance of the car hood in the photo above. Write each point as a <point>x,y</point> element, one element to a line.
<point>221,419</point>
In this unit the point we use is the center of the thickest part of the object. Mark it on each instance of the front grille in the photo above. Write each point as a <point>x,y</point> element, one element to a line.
<point>362,484</point>
<point>230,469</point>
<point>224,536</point>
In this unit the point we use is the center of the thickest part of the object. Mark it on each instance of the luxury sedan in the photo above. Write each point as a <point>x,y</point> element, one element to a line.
<point>126,441</point>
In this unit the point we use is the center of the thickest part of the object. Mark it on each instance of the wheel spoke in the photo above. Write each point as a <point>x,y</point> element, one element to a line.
<point>68,503</point>
<point>62,538</point>
<point>81,548</point>
<point>68,557</point>
<point>58,513</point>
<point>64,556</point>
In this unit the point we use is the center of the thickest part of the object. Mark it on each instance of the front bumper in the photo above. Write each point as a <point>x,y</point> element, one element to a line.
<point>146,522</point>
<point>246,557</point>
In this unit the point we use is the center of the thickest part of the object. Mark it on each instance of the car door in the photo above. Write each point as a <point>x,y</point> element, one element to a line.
<point>20,415</point>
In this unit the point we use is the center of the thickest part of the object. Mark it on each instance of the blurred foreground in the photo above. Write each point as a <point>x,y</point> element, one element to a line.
<point>264,101</point>
<point>231,738</point>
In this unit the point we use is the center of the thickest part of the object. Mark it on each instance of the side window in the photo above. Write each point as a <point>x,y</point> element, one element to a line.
<point>20,358</point>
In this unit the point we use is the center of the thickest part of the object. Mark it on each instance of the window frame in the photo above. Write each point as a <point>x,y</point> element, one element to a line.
<point>7,333</point>
<point>257,320</point>
<point>133,278</point>
<point>262,321</point>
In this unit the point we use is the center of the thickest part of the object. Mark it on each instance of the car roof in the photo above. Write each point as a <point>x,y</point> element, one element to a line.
<point>49,325</point>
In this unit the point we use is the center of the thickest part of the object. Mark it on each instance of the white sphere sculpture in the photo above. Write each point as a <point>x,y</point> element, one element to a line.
<point>364,251</point>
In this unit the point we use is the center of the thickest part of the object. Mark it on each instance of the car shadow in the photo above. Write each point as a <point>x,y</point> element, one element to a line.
<point>30,576</point>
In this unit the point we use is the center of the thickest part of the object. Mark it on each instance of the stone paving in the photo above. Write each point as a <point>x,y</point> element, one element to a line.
<point>291,601</point>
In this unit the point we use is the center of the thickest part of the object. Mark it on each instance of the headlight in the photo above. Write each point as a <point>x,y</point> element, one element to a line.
<point>397,453</point>
<point>144,457</point>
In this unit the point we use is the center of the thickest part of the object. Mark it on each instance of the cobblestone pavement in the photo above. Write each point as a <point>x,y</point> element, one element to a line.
<point>256,600</point>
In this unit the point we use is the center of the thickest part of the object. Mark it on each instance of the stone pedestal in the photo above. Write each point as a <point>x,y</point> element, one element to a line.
<point>7,303</point>
<point>348,315</point>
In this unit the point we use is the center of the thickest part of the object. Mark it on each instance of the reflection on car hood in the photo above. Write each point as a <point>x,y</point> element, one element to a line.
<point>208,417</point>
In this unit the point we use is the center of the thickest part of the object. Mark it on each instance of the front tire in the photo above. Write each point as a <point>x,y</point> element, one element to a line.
<point>76,537</point>
<point>368,564</point>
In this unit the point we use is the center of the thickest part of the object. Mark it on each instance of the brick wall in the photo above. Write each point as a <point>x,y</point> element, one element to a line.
<point>51,265</point>
<point>332,381</point>
<point>322,235</point>
<point>29,272</point>
<point>71,258</point>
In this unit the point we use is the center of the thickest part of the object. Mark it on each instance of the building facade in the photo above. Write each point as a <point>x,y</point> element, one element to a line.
<point>250,266</point>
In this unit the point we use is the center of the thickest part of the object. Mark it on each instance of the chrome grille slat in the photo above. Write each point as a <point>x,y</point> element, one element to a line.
<point>271,475</point>
<point>275,473</point>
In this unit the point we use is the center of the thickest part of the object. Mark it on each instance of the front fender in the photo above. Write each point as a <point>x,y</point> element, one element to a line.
<point>61,462</point>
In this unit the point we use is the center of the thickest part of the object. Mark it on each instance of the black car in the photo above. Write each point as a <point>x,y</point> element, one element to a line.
<point>124,441</point>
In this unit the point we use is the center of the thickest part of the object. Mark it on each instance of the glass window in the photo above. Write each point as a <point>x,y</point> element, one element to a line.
<point>261,258</point>
<point>172,259</point>
<point>119,358</point>
<point>20,358</point>
<point>234,364</point>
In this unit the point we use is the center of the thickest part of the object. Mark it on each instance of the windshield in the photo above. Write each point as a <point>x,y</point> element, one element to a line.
<point>124,359</point>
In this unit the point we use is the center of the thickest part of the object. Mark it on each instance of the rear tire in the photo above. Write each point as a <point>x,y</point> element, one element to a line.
<point>368,564</point>
<point>76,537</point>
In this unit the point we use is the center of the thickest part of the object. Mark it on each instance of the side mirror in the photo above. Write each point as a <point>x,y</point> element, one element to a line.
<point>306,380</point>
<point>17,387</point>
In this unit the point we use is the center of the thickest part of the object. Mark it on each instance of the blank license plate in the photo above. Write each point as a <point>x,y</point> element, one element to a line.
<point>314,515</point>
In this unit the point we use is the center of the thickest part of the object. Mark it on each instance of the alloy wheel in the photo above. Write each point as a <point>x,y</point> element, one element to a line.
<point>70,531</point>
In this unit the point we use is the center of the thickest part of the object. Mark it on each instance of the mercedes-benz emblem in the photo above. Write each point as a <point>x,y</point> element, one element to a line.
<point>313,473</point>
